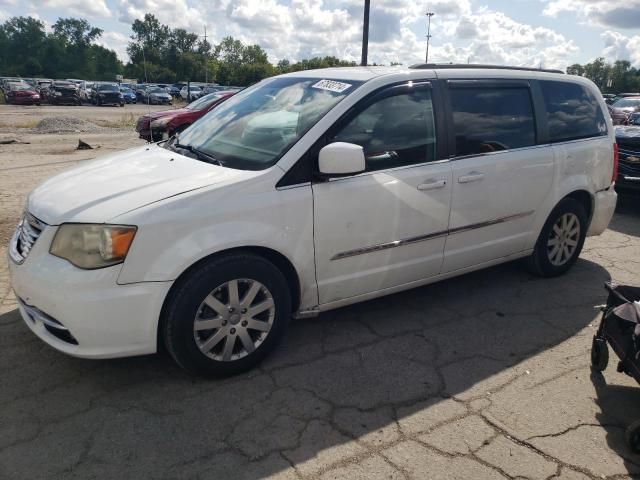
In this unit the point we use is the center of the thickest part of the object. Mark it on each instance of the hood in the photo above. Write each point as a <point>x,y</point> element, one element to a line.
<point>110,186</point>
<point>167,113</point>
<point>628,135</point>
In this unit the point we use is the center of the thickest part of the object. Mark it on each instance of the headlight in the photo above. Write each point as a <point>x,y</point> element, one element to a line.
<point>92,246</point>
<point>57,94</point>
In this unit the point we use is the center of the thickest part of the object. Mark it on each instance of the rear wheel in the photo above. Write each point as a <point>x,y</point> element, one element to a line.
<point>599,354</point>
<point>561,240</point>
<point>226,315</point>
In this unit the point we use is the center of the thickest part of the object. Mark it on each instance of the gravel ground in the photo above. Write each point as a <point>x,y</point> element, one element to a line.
<point>480,377</point>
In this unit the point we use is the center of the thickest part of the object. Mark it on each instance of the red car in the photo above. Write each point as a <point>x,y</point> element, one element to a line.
<point>158,125</point>
<point>23,95</point>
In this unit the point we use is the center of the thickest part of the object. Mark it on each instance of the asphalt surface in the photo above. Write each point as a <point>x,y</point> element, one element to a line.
<point>482,376</point>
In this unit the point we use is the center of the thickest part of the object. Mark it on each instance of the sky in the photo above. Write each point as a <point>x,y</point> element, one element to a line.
<point>547,33</point>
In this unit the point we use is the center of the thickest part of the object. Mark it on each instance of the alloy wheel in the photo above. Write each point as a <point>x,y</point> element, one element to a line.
<point>234,320</point>
<point>563,239</point>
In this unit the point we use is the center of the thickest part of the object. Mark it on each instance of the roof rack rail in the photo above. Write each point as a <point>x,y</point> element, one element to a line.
<point>437,66</point>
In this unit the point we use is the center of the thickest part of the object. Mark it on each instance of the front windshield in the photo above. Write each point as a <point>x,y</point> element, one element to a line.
<point>255,127</point>
<point>108,88</point>
<point>627,102</point>
<point>157,90</point>
<point>125,90</point>
<point>203,102</point>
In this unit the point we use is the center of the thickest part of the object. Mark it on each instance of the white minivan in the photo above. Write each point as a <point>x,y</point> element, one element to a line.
<point>307,192</point>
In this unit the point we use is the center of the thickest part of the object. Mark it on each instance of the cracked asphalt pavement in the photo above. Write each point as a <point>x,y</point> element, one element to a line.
<point>482,376</point>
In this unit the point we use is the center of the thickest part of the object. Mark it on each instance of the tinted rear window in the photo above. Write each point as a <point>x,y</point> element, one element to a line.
<point>492,119</point>
<point>572,112</point>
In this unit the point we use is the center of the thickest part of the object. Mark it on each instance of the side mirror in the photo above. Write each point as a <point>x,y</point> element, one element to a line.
<point>341,158</point>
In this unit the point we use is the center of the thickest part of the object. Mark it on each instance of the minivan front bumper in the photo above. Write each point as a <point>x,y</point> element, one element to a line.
<point>85,313</point>
<point>604,205</point>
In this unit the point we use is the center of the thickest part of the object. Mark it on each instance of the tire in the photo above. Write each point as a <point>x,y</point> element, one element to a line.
<point>599,354</point>
<point>206,352</point>
<point>545,261</point>
<point>632,436</point>
<point>122,104</point>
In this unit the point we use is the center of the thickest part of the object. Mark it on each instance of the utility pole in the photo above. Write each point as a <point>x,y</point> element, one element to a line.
<point>206,67</point>
<point>429,15</point>
<point>365,33</point>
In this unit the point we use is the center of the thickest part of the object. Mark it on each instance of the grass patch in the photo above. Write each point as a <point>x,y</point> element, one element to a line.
<point>127,120</point>
<point>27,124</point>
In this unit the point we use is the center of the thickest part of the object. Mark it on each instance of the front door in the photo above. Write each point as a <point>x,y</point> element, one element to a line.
<point>386,226</point>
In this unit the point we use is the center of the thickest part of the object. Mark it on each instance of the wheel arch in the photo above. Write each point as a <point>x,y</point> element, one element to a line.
<point>584,198</point>
<point>280,261</point>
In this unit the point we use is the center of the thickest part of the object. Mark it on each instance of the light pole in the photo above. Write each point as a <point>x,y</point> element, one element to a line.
<point>365,33</point>
<point>429,15</point>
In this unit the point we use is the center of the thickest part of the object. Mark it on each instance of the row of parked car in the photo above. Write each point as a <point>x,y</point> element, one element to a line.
<point>76,92</point>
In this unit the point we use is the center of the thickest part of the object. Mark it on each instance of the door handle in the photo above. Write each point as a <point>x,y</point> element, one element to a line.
<point>432,185</point>
<point>472,177</point>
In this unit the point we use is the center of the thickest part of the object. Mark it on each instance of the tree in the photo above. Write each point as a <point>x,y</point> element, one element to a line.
<point>68,51</point>
<point>76,32</point>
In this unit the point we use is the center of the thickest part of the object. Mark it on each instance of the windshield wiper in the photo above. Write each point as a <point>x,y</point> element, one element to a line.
<point>198,153</point>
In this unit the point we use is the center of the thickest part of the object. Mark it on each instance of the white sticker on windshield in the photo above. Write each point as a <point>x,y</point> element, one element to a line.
<point>332,86</point>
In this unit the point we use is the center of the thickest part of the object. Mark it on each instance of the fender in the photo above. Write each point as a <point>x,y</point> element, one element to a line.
<point>280,220</point>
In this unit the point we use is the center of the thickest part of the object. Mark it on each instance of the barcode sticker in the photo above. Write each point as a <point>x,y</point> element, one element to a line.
<point>332,86</point>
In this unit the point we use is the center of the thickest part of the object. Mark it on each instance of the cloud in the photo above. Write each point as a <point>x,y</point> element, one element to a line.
<point>115,41</point>
<point>608,13</point>
<point>488,36</point>
<point>75,8</point>
<point>620,47</point>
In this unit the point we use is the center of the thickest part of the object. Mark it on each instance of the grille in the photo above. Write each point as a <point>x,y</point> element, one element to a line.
<point>25,237</point>
<point>629,165</point>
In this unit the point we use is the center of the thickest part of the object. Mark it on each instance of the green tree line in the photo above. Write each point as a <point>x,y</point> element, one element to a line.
<point>157,53</point>
<point>617,77</point>
<point>68,51</point>
<point>161,54</point>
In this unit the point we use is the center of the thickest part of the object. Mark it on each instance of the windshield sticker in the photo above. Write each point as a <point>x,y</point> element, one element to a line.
<point>332,86</point>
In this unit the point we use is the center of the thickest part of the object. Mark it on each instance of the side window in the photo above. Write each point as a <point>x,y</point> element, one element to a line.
<point>572,112</point>
<point>394,131</point>
<point>492,119</point>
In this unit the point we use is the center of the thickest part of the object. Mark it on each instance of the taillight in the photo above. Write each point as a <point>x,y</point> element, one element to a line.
<point>616,154</point>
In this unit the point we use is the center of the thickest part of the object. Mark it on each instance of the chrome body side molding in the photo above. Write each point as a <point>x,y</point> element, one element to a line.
<point>430,236</point>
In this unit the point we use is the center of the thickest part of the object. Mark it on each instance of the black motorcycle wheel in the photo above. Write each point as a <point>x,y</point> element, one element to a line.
<point>599,354</point>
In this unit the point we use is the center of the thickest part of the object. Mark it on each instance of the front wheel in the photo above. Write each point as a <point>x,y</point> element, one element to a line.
<point>561,240</point>
<point>226,315</point>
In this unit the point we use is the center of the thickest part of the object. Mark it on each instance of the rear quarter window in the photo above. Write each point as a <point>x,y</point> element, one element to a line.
<point>573,112</point>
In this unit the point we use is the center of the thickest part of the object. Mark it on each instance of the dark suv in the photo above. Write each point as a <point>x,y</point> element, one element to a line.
<point>107,94</point>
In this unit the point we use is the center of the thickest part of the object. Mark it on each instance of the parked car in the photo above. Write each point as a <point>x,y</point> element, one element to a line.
<point>156,96</point>
<point>207,89</point>
<point>609,98</point>
<point>351,184</point>
<point>174,90</point>
<point>85,90</point>
<point>194,93</point>
<point>627,105</point>
<point>23,95</point>
<point>618,117</point>
<point>107,94</point>
<point>128,95</point>
<point>61,92</point>
<point>42,84</point>
<point>161,125</point>
<point>628,140</point>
